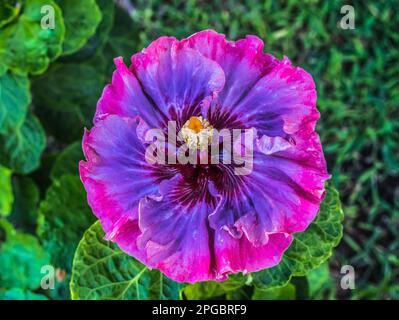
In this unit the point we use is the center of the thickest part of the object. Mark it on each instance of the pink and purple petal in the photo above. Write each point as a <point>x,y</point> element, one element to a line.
<point>282,194</point>
<point>116,175</point>
<point>176,78</point>
<point>242,61</point>
<point>281,102</point>
<point>175,236</point>
<point>240,255</point>
<point>124,97</point>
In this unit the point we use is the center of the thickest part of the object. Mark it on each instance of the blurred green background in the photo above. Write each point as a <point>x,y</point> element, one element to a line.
<point>357,78</point>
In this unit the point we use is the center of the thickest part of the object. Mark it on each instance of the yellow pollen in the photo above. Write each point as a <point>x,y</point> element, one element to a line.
<point>197,133</point>
<point>195,124</point>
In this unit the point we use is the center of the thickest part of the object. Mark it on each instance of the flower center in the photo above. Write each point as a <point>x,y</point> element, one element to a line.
<point>197,133</point>
<point>195,124</point>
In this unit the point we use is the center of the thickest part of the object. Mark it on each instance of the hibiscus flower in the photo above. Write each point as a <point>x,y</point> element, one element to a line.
<point>198,222</point>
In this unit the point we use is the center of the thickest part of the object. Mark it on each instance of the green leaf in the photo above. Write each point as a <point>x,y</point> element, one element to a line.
<point>287,292</point>
<point>26,194</point>
<point>67,108</point>
<point>301,287</point>
<point>6,196</point>
<point>98,41</point>
<point>81,20</point>
<point>123,39</point>
<point>68,161</point>
<point>212,289</point>
<point>9,10</point>
<point>6,230</point>
<point>26,47</point>
<point>63,217</point>
<point>20,294</point>
<point>318,279</point>
<point>310,248</point>
<point>14,100</point>
<point>21,260</point>
<point>21,149</point>
<point>41,176</point>
<point>242,293</point>
<point>162,288</point>
<point>78,88</point>
<point>102,271</point>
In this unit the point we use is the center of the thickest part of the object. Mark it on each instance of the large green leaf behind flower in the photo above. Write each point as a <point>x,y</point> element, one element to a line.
<point>287,292</point>
<point>68,107</point>
<point>211,289</point>
<point>319,281</point>
<point>27,47</point>
<point>67,161</point>
<point>63,217</point>
<point>22,148</point>
<point>124,38</point>
<point>81,20</point>
<point>99,39</point>
<point>14,100</point>
<point>102,271</point>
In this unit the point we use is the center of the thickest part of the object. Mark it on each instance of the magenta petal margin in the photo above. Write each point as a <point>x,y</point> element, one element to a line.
<point>198,223</point>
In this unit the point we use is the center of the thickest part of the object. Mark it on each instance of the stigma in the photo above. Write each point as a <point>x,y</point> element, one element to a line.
<point>197,133</point>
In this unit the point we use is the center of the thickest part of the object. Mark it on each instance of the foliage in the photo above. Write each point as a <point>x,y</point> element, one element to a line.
<point>27,47</point>
<point>15,99</point>
<point>63,217</point>
<point>51,79</point>
<point>21,149</point>
<point>102,271</point>
<point>21,259</point>
<point>26,196</point>
<point>6,196</point>
<point>65,115</point>
<point>81,21</point>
